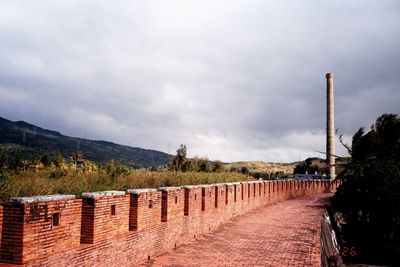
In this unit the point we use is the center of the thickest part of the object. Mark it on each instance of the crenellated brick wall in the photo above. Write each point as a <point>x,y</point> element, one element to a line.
<point>115,228</point>
<point>105,215</point>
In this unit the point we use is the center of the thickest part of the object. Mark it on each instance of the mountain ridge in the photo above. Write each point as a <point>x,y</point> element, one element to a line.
<point>30,141</point>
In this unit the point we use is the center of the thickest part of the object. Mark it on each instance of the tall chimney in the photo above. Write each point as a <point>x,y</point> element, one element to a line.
<point>330,126</point>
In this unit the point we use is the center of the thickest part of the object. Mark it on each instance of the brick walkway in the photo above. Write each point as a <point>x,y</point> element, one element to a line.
<point>282,234</point>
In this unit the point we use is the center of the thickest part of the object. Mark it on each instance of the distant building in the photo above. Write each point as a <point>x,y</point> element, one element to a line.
<point>308,176</point>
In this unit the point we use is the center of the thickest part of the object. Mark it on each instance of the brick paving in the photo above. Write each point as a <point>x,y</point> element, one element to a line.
<point>282,234</point>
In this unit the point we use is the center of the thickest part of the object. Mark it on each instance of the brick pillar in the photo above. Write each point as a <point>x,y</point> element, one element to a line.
<point>12,233</point>
<point>105,215</point>
<point>193,200</point>
<point>173,203</point>
<point>38,227</point>
<point>233,207</point>
<point>145,209</point>
<point>208,220</point>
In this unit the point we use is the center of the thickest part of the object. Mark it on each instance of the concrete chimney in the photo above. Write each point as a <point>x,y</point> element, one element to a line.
<point>330,126</point>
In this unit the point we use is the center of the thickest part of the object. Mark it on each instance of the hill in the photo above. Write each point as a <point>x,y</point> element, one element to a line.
<point>30,141</point>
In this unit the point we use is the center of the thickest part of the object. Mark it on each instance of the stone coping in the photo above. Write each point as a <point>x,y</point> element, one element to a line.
<point>205,185</point>
<point>169,188</point>
<point>59,197</point>
<point>190,186</point>
<point>198,186</point>
<point>45,198</point>
<point>141,191</point>
<point>103,194</point>
<point>233,183</point>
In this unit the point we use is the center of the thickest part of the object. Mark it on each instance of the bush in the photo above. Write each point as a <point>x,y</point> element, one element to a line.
<point>218,166</point>
<point>369,195</point>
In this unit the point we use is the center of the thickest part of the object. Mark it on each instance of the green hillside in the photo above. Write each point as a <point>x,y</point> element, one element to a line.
<point>30,141</point>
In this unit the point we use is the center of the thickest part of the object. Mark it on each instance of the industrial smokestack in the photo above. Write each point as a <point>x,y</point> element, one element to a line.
<point>330,126</point>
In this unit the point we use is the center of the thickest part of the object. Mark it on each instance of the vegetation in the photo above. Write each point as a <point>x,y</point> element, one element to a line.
<point>263,170</point>
<point>56,175</point>
<point>180,163</point>
<point>176,162</point>
<point>111,176</point>
<point>368,199</point>
<point>311,165</point>
<point>30,142</point>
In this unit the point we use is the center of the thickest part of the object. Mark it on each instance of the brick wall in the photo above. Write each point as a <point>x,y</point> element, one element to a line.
<point>104,216</point>
<point>116,228</point>
<point>145,208</point>
<point>34,228</point>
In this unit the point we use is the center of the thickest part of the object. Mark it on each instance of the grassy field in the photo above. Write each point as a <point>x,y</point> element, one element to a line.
<point>48,181</point>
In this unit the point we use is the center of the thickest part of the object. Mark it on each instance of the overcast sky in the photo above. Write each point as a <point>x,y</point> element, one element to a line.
<point>233,80</point>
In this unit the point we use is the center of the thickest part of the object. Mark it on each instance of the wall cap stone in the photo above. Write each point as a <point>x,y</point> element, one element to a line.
<point>141,191</point>
<point>103,194</point>
<point>45,198</point>
<point>205,185</point>
<point>190,186</point>
<point>169,188</point>
<point>233,183</point>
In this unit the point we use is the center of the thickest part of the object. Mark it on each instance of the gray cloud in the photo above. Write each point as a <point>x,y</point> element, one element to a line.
<point>234,80</point>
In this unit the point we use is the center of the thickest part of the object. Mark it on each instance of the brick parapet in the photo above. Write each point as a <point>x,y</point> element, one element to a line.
<point>172,206</point>
<point>115,227</point>
<point>105,215</point>
<point>34,228</point>
<point>144,208</point>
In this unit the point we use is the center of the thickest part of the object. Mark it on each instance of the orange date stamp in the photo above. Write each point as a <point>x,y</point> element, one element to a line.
<point>348,251</point>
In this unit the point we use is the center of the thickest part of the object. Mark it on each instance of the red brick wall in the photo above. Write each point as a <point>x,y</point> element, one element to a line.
<point>232,206</point>
<point>142,224</point>
<point>104,216</point>
<point>34,229</point>
<point>192,212</point>
<point>145,209</point>
<point>209,219</point>
<point>12,233</point>
<point>172,203</point>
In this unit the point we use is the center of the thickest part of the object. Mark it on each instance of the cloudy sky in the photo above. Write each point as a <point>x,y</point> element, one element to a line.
<point>233,80</point>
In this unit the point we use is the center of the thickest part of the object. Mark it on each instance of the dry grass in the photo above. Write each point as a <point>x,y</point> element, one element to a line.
<point>264,167</point>
<point>32,183</point>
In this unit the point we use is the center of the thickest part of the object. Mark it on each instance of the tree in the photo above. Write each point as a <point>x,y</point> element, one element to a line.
<point>44,160</point>
<point>190,166</point>
<point>311,165</point>
<point>25,164</point>
<point>176,162</point>
<point>218,166</point>
<point>76,156</point>
<point>115,168</point>
<point>59,161</point>
<point>369,195</point>
<point>245,170</point>
<point>204,165</point>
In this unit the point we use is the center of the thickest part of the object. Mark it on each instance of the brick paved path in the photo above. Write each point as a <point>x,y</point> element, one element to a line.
<point>283,234</point>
